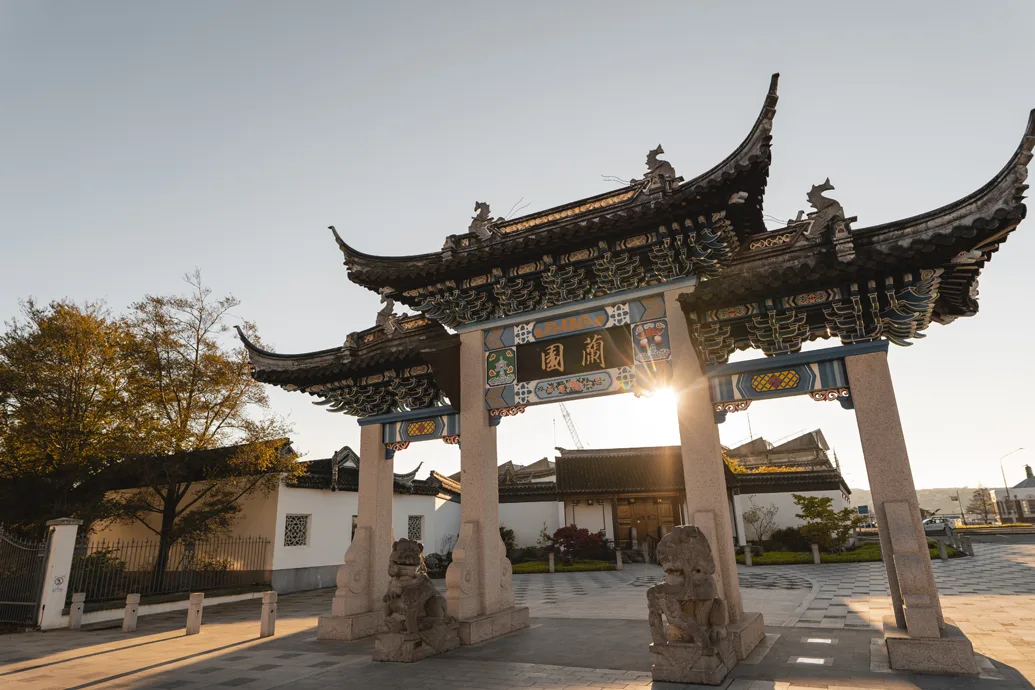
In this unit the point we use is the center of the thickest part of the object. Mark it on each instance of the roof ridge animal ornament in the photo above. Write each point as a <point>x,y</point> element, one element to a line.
<point>657,166</point>
<point>829,214</point>
<point>482,223</point>
<point>660,176</point>
<point>385,318</point>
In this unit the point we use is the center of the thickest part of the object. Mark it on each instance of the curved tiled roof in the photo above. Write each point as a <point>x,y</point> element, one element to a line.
<point>959,237</point>
<point>746,170</point>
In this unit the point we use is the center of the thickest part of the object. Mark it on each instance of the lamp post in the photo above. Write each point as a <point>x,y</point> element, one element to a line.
<point>959,504</point>
<point>1009,500</point>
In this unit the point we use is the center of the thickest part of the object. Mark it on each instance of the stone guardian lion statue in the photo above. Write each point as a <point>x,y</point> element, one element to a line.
<point>412,602</point>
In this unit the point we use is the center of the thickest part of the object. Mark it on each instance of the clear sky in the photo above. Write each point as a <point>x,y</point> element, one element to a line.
<point>139,140</point>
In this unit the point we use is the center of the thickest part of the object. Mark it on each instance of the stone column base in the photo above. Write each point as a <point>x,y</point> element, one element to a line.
<point>490,625</point>
<point>410,647</point>
<point>951,654</point>
<point>348,628</point>
<point>746,634</point>
<point>677,662</point>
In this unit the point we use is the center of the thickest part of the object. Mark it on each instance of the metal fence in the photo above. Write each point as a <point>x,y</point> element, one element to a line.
<point>109,570</point>
<point>21,578</point>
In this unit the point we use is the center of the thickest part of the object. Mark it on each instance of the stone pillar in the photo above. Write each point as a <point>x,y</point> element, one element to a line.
<point>704,474</point>
<point>917,637</point>
<point>899,523</point>
<point>130,613</point>
<point>479,591</point>
<point>58,571</point>
<point>75,611</point>
<point>268,617</point>
<point>363,579</point>
<point>195,610</point>
<point>738,516</point>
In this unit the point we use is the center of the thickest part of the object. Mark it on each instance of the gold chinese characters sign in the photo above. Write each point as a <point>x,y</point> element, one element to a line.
<point>585,352</point>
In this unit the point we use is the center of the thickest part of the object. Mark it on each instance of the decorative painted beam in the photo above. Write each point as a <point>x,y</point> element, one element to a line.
<point>819,374</point>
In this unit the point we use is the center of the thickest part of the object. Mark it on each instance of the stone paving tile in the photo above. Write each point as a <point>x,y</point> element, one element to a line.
<point>589,630</point>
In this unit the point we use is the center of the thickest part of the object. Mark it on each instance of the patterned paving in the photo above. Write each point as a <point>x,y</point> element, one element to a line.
<point>588,631</point>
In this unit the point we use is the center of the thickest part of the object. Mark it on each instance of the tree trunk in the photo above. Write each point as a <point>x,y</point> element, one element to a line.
<point>165,540</point>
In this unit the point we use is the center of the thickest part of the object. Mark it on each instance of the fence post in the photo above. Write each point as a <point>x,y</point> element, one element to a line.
<point>551,561</point>
<point>194,610</point>
<point>618,559</point>
<point>268,622</point>
<point>129,618</point>
<point>943,552</point>
<point>58,571</point>
<point>75,611</point>
<point>815,554</point>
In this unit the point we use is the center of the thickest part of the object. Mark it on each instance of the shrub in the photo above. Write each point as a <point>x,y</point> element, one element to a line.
<point>788,539</point>
<point>573,542</point>
<point>437,564</point>
<point>830,530</point>
<point>508,537</point>
<point>576,567</point>
<point>528,553</point>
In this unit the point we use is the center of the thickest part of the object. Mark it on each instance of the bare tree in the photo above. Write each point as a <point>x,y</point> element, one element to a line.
<point>981,503</point>
<point>213,439</point>
<point>762,520</point>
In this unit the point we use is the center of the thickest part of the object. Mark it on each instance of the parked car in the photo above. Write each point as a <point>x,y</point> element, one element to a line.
<point>939,525</point>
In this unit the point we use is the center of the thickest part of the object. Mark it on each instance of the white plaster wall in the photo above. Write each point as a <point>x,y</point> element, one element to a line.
<point>594,517</point>
<point>441,519</point>
<point>786,507</point>
<point>330,526</point>
<point>446,524</point>
<point>526,519</point>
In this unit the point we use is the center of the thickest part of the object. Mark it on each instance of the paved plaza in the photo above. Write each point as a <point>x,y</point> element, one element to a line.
<point>588,630</point>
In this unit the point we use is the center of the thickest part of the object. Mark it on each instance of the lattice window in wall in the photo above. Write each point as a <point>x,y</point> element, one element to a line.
<point>415,528</point>
<point>296,530</point>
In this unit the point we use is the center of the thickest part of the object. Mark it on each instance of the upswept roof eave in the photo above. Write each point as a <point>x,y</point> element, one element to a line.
<point>1007,185</point>
<point>756,143</point>
<point>265,360</point>
<point>752,150</point>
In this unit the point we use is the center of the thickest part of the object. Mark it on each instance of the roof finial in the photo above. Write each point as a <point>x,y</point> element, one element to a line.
<point>481,223</point>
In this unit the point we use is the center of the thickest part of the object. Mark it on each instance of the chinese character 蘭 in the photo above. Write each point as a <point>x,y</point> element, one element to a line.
<point>553,358</point>
<point>594,351</point>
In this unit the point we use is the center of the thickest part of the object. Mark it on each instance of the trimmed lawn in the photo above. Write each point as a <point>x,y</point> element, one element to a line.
<point>576,567</point>
<point>867,553</point>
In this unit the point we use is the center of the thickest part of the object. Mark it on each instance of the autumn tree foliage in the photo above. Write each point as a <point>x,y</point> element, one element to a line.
<point>151,418</point>
<point>197,395</point>
<point>66,410</point>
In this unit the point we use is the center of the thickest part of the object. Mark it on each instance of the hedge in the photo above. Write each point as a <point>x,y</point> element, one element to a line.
<point>576,567</point>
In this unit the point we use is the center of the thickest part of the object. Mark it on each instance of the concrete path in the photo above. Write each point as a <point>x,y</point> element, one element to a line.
<point>588,631</point>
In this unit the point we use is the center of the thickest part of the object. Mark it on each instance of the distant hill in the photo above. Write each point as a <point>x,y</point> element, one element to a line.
<point>930,499</point>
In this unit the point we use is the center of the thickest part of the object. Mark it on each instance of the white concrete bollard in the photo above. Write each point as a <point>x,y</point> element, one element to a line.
<point>551,561</point>
<point>943,552</point>
<point>75,611</point>
<point>129,617</point>
<point>815,554</point>
<point>747,555</point>
<point>618,559</point>
<point>268,621</point>
<point>194,611</point>
<point>967,545</point>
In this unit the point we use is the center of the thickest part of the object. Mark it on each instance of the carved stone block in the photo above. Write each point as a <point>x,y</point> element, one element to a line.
<point>688,619</point>
<point>408,647</point>
<point>680,662</point>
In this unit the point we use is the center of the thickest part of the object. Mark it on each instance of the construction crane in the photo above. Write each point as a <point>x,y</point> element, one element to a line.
<point>571,428</point>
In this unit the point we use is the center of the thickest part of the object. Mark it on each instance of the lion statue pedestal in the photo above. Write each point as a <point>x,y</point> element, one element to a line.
<point>694,647</point>
<point>416,625</point>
